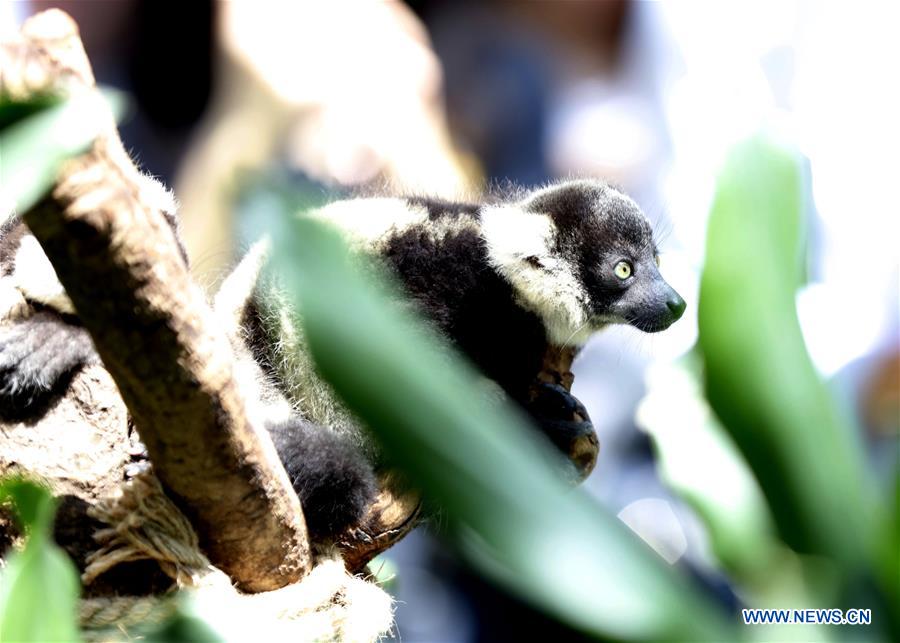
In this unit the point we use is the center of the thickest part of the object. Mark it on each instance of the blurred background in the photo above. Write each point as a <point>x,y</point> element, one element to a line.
<point>452,98</point>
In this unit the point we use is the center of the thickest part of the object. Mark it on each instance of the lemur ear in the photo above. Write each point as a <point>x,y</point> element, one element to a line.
<point>514,236</point>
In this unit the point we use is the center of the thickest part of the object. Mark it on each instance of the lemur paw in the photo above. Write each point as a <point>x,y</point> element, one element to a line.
<point>565,421</point>
<point>334,481</point>
<point>38,356</point>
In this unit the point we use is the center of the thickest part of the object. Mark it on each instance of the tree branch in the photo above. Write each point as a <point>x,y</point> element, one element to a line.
<point>119,262</point>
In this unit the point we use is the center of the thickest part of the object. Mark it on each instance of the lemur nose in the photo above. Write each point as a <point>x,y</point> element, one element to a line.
<point>676,305</point>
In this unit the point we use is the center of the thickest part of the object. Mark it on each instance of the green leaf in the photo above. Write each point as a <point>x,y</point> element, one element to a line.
<point>507,509</point>
<point>39,135</point>
<point>759,378</point>
<point>727,498</point>
<point>14,111</point>
<point>724,492</point>
<point>39,587</point>
<point>187,624</point>
<point>33,504</point>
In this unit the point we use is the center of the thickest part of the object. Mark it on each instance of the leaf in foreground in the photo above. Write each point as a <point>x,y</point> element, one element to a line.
<point>511,515</point>
<point>39,587</point>
<point>37,138</point>
<point>759,378</point>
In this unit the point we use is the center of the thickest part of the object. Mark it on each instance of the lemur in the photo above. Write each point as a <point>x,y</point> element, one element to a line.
<point>500,281</point>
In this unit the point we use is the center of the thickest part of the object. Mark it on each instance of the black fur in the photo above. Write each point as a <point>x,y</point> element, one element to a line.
<point>471,304</point>
<point>449,276</point>
<point>334,481</point>
<point>440,207</point>
<point>476,309</point>
<point>619,234</point>
<point>452,281</point>
<point>38,356</point>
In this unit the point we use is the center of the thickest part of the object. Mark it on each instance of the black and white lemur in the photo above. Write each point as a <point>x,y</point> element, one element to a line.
<point>500,281</point>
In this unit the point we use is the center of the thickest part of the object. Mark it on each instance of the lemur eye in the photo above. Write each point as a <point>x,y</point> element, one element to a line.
<point>656,259</point>
<point>623,270</point>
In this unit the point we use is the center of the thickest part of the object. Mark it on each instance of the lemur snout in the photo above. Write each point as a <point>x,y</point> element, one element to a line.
<point>655,305</point>
<point>670,313</point>
<point>676,306</point>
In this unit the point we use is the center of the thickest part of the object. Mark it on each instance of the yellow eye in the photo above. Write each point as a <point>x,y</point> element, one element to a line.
<point>623,270</point>
<point>656,259</point>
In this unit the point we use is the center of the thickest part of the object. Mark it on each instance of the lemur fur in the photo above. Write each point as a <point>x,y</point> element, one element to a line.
<point>501,281</point>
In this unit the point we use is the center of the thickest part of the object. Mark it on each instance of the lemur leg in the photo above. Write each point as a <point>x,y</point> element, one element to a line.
<point>38,355</point>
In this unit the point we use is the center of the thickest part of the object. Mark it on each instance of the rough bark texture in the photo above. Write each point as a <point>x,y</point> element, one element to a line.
<point>120,264</point>
<point>80,446</point>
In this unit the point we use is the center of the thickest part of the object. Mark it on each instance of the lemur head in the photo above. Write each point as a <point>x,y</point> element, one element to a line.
<point>581,255</point>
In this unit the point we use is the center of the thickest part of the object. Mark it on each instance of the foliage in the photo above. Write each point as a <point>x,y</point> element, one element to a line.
<point>37,136</point>
<point>39,586</point>
<point>187,624</point>
<point>762,385</point>
<point>509,512</point>
<point>759,378</point>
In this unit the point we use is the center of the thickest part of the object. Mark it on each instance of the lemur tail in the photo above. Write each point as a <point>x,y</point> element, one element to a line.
<point>335,483</point>
<point>333,479</point>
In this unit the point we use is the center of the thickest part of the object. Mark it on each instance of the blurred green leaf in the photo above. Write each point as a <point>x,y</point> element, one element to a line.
<point>727,498</point>
<point>271,193</point>
<point>188,625</point>
<point>889,552</point>
<point>14,111</point>
<point>39,135</point>
<point>509,512</point>
<point>33,504</point>
<point>759,378</point>
<point>39,587</point>
<point>724,491</point>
